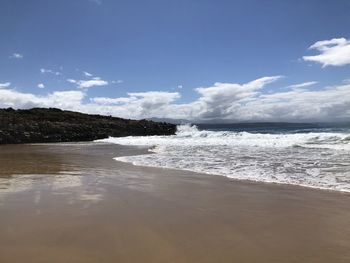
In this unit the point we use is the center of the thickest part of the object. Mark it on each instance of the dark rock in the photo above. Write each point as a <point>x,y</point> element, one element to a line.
<point>40,125</point>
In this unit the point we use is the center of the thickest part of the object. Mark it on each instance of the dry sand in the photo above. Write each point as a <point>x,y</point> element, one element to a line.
<point>74,203</point>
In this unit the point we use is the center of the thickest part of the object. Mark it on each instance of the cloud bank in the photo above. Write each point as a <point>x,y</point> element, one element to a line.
<point>230,102</point>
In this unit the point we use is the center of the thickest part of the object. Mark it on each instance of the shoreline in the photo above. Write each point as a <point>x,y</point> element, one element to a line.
<point>72,202</point>
<point>143,150</point>
<point>227,177</point>
<point>234,180</point>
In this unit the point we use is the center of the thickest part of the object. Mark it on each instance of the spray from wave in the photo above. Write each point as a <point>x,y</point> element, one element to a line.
<point>312,159</point>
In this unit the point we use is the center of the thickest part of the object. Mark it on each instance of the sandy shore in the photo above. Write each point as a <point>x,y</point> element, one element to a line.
<point>74,203</point>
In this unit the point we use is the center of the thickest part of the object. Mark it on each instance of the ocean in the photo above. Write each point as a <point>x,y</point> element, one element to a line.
<point>310,155</point>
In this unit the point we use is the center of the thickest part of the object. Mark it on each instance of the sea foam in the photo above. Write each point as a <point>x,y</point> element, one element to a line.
<point>312,159</point>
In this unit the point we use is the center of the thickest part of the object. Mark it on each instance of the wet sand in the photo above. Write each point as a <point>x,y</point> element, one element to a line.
<point>74,203</point>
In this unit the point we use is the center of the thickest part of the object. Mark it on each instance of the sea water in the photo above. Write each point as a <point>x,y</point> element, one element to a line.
<point>311,155</point>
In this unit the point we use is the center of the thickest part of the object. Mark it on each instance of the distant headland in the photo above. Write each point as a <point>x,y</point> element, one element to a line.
<point>42,125</point>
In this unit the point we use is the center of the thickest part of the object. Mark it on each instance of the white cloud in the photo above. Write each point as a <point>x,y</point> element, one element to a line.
<point>329,104</point>
<point>229,102</point>
<point>140,104</point>
<point>303,85</point>
<point>334,52</point>
<point>119,81</point>
<point>5,85</point>
<point>87,74</point>
<point>235,102</point>
<point>60,99</point>
<point>72,81</point>
<point>41,85</point>
<point>84,84</point>
<point>50,71</point>
<point>221,99</point>
<point>111,101</point>
<point>16,56</point>
<point>97,2</point>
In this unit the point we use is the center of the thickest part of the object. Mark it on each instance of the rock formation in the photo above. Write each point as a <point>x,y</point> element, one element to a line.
<point>41,125</point>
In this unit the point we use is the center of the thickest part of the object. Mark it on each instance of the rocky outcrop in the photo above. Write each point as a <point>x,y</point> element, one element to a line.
<point>40,125</point>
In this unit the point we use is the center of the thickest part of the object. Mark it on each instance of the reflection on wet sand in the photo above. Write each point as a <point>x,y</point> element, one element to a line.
<point>74,203</point>
<point>22,166</point>
<point>16,159</point>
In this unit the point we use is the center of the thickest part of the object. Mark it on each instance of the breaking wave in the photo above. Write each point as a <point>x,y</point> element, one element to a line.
<point>313,159</point>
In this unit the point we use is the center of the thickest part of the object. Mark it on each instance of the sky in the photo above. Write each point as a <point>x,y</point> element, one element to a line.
<point>199,60</point>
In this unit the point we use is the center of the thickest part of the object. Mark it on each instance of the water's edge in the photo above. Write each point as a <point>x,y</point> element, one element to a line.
<point>314,159</point>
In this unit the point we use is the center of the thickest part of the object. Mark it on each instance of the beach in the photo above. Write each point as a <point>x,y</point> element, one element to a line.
<point>73,202</point>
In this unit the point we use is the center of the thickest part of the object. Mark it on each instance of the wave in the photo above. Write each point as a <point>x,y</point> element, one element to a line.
<point>191,136</point>
<point>314,159</point>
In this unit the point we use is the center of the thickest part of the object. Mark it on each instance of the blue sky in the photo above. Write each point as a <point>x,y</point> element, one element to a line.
<point>169,47</point>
